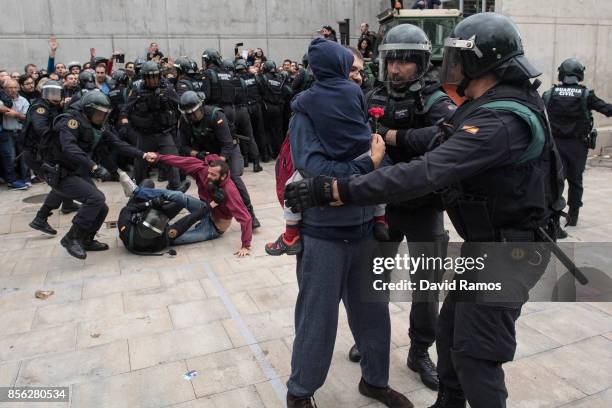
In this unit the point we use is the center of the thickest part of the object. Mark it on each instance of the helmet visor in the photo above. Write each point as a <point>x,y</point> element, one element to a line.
<point>193,114</point>
<point>99,114</point>
<point>52,93</point>
<point>152,79</point>
<point>417,55</point>
<point>451,71</point>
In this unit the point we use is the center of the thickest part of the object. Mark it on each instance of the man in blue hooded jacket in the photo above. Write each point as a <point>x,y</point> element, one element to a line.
<point>330,121</point>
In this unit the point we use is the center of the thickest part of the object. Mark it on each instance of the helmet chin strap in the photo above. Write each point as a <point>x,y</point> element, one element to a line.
<point>462,86</point>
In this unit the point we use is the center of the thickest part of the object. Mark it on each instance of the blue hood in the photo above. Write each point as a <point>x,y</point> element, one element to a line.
<point>335,105</point>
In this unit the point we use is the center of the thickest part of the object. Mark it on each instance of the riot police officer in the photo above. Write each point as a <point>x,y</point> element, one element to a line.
<point>244,127</point>
<point>152,113</point>
<point>38,132</point>
<point>69,168</point>
<point>218,86</point>
<point>188,77</point>
<point>274,92</point>
<point>498,173</point>
<point>87,82</point>
<point>253,102</point>
<point>204,129</point>
<point>412,99</point>
<point>569,105</point>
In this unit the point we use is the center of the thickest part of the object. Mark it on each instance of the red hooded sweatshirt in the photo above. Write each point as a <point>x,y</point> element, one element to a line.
<point>232,207</point>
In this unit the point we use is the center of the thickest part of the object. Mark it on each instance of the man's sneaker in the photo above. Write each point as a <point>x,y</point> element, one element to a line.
<point>129,186</point>
<point>18,185</point>
<point>280,247</point>
<point>385,395</point>
<point>295,402</point>
<point>420,362</point>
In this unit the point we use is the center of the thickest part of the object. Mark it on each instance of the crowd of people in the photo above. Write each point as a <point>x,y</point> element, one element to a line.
<point>421,152</point>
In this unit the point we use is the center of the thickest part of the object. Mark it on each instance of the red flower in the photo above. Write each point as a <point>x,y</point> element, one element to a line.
<point>376,112</point>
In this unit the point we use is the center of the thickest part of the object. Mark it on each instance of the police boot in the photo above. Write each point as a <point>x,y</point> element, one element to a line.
<point>354,354</point>
<point>420,362</point>
<point>572,217</point>
<point>255,222</point>
<point>181,226</point>
<point>73,242</point>
<point>91,244</point>
<point>448,398</point>
<point>256,166</point>
<point>69,207</point>
<point>184,186</point>
<point>40,222</point>
<point>561,234</point>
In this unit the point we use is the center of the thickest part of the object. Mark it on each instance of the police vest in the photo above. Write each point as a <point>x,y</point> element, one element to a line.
<point>519,196</point>
<point>568,111</point>
<point>240,91</point>
<point>272,86</point>
<point>202,133</point>
<point>221,87</point>
<point>252,88</point>
<point>153,110</point>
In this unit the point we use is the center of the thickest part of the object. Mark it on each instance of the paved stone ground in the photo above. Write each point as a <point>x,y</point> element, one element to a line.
<point>122,330</point>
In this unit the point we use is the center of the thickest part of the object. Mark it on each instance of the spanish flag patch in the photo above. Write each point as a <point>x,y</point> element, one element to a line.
<point>470,129</point>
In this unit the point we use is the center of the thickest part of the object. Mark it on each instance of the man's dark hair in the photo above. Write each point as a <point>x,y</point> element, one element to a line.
<point>101,63</point>
<point>287,60</point>
<point>128,63</point>
<point>222,164</point>
<point>25,69</point>
<point>22,78</point>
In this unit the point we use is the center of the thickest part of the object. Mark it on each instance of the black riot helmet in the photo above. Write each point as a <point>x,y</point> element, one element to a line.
<point>211,56</point>
<point>191,105</point>
<point>52,92</point>
<point>305,60</point>
<point>151,74</point>
<point>120,77</point>
<point>87,80</point>
<point>571,71</point>
<point>186,66</point>
<point>268,66</point>
<point>240,66</point>
<point>481,44</point>
<point>408,43</point>
<point>228,66</point>
<point>153,224</point>
<point>96,106</point>
<point>138,62</point>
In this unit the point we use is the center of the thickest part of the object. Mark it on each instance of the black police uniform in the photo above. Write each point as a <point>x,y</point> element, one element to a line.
<point>421,220</point>
<point>38,132</point>
<point>254,101</point>
<point>212,135</point>
<point>497,176</point>
<point>190,83</point>
<point>74,148</point>
<point>569,111</point>
<point>243,123</point>
<point>153,116</point>
<point>219,90</point>
<point>274,93</point>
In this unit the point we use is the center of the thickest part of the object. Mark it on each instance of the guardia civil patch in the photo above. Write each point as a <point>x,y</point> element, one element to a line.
<point>40,110</point>
<point>73,124</point>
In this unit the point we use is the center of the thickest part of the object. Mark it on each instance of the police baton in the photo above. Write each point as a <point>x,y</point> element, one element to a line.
<point>561,256</point>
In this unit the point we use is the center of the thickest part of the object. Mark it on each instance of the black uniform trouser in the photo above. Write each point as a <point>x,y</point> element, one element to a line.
<point>53,199</point>
<point>93,210</point>
<point>244,128</point>
<point>573,153</point>
<point>236,165</point>
<point>423,228</point>
<point>156,142</point>
<point>259,131</point>
<point>273,116</point>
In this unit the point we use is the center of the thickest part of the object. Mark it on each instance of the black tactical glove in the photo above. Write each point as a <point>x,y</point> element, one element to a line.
<point>307,193</point>
<point>101,173</point>
<point>158,202</point>
<point>201,155</point>
<point>218,196</point>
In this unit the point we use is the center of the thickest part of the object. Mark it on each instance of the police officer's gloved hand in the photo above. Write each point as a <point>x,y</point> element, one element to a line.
<point>382,130</point>
<point>310,192</point>
<point>158,202</point>
<point>101,173</point>
<point>218,196</point>
<point>201,155</point>
<point>123,131</point>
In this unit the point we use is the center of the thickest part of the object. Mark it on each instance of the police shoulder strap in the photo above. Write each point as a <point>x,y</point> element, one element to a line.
<point>432,99</point>
<point>546,96</point>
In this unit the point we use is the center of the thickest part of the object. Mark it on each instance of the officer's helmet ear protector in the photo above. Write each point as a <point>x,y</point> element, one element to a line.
<point>52,91</point>
<point>151,74</point>
<point>153,225</point>
<point>571,71</point>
